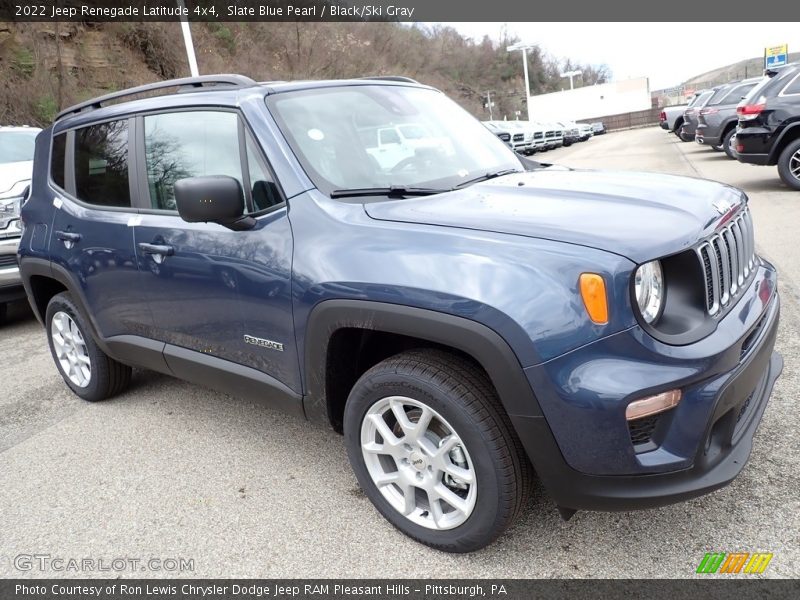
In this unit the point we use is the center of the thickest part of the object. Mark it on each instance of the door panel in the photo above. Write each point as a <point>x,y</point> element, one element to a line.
<point>212,290</point>
<point>92,238</point>
<point>220,285</point>
<point>97,250</point>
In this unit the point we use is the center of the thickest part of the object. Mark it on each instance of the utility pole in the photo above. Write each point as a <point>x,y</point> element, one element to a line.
<point>489,104</point>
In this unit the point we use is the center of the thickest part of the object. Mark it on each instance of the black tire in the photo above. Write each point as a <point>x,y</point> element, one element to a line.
<point>789,164</point>
<point>461,393</point>
<point>726,144</point>
<point>3,312</point>
<point>107,376</point>
<point>678,126</point>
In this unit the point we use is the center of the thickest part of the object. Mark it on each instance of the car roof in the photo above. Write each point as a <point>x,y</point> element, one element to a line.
<point>207,90</point>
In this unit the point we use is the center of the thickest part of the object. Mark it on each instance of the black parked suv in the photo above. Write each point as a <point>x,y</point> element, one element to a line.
<point>716,121</point>
<point>769,124</point>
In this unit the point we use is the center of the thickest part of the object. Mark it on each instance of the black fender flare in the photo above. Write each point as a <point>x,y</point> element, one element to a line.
<point>774,156</point>
<point>482,343</point>
<point>32,266</point>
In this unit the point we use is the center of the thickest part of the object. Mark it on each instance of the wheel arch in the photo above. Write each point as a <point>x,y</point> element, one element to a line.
<point>408,327</point>
<point>787,136</point>
<point>43,280</point>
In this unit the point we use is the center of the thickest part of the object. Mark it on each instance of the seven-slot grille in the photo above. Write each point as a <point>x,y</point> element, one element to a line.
<point>727,258</point>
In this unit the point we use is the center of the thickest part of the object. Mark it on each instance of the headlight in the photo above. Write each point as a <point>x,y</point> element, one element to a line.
<point>649,289</point>
<point>9,210</point>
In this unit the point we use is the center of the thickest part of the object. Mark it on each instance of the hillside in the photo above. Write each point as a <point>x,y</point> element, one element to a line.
<point>745,68</point>
<point>48,66</point>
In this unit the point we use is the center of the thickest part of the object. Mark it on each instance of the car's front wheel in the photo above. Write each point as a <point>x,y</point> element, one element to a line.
<point>86,369</point>
<point>433,449</point>
<point>789,165</point>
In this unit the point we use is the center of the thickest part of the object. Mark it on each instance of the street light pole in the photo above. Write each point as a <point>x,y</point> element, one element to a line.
<point>571,74</point>
<point>524,48</point>
<point>187,41</point>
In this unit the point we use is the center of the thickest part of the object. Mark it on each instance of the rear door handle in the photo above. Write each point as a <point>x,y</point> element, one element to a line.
<point>69,238</point>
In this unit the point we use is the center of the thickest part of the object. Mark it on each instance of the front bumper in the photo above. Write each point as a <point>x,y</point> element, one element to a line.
<point>587,458</point>
<point>10,283</point>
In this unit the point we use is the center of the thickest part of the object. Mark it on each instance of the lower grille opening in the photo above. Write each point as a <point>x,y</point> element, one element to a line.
<point>641,430</point>
<point>8,260</point>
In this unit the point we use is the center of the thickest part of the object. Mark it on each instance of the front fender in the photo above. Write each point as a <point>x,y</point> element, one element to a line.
<point>523,289</point>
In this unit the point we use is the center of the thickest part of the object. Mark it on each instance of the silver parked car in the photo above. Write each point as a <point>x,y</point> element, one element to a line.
<point>16,166</point>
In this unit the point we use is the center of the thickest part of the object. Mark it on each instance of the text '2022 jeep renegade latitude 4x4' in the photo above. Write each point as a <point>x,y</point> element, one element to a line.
<point>464,316</point>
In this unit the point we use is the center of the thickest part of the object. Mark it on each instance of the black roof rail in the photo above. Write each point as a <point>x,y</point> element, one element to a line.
<point>185,82</point>
<point>392,78</point>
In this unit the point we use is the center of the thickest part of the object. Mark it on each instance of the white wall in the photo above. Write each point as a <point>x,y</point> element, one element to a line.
<point>614,98</point>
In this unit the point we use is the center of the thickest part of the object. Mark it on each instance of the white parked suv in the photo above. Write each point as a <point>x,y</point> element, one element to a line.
<point>16,166</point>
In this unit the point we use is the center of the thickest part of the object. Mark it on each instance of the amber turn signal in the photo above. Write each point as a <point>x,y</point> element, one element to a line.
<point>652,405</point>
<point>593,292</point>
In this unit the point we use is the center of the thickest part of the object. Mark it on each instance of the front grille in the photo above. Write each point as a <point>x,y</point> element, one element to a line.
<point>550,134</point>
<point>8,260</point>
<point>504,136</point>
<point>727,259</point>
<point>641,430</point>
<point>519,137</point>
<point>538,135</point>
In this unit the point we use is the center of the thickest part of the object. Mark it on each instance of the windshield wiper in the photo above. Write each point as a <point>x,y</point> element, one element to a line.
<point>487,176</point>
<point>398,191</point>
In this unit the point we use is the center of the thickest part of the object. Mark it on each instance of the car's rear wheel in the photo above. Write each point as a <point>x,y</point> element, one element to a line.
<point>727,144</point>
<point>789,165</point>
<point>85,368</point>
<point>434,450</point>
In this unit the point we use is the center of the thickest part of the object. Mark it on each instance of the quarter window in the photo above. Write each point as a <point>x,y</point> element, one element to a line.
<point>101,164</point>
<point>57,159</point>
<point>793,87</point>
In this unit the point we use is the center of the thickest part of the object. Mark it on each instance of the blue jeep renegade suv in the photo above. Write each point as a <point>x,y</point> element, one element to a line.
<point>365,254</point>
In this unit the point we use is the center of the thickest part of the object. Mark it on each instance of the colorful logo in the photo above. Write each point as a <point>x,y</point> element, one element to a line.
<point>735,562</point>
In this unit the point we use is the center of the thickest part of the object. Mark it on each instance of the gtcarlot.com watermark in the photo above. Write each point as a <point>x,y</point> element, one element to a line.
<point>48,563</point>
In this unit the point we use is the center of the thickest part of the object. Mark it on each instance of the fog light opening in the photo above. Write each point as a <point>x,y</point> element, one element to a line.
<point>652,405</point>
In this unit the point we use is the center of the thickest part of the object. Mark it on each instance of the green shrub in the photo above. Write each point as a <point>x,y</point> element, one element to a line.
<point>46,109</point>
<point>23,62</point>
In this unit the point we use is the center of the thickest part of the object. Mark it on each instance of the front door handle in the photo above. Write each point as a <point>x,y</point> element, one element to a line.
<point>69,238</point>
<point>159,251</point>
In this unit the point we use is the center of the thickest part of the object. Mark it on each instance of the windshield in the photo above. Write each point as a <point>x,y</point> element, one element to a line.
<point>16,146</point>
<point>380,136</point>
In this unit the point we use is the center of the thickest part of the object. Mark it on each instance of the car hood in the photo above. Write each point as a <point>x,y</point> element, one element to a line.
<point>641,216</point>
<point>11,173</point>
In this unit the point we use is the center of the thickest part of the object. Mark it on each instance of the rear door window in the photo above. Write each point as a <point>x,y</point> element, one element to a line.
<point>101,164</point>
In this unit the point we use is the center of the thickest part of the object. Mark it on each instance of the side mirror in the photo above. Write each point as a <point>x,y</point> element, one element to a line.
<point>212,199</point>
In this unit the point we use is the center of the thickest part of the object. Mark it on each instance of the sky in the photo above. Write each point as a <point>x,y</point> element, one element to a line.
<point>667,53</point>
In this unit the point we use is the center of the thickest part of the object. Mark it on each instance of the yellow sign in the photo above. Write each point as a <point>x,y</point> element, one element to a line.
<point>776,56</point>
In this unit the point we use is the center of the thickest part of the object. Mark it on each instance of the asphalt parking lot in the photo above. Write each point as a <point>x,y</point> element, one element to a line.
<point>172,470</point>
